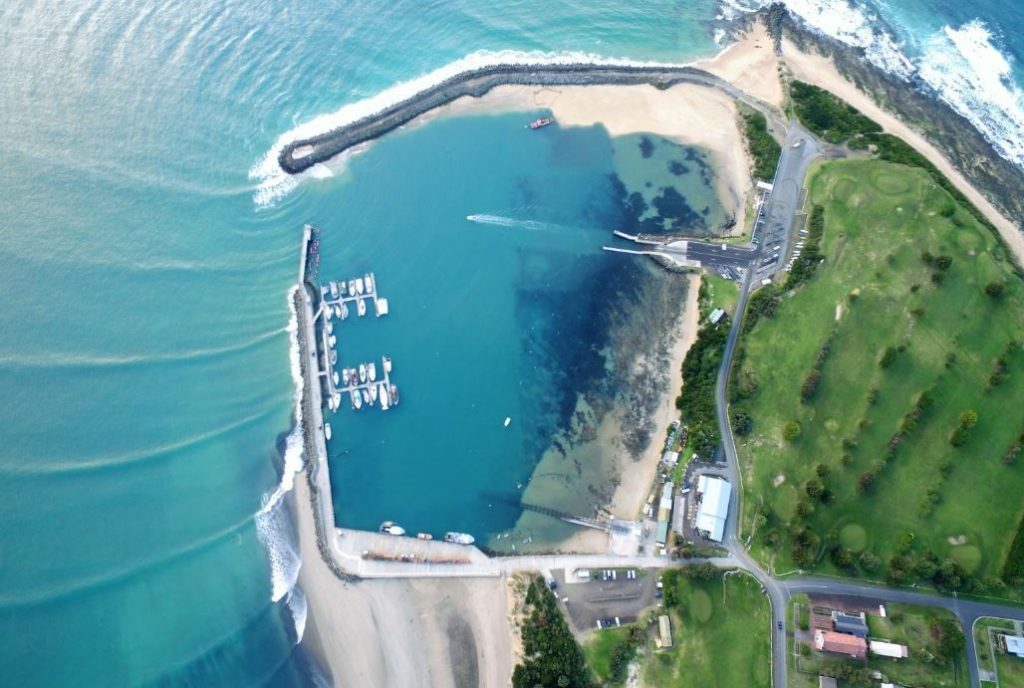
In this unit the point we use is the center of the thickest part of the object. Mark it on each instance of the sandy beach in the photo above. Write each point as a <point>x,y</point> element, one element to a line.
<point>422,633</point>
<point>751,65</point>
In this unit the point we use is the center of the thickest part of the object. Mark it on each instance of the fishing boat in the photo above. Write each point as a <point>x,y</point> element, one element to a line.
<point>385,401</point>
<point>542,122</point>
<point>359,285</point>
<point>361,307</point>
<point>334,290</point>
<point>357,402</point>
<point>352,287</point>
<point>459,538</point>
<point>391,528</point>
<point>424,536</point>
<point>343,311</point>
<point>371,371</point>
<point>362,372</point>
<point>373,394</point>
<point>327,430</point>
<point>368,279</point>
<point>387,363</point>
<point>393,395</point>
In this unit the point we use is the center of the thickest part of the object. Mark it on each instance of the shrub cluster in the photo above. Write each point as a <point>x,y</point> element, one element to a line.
<point>700,373</point>
<point>811,255</point>
<point>763,147</point>
<point>551,656</point>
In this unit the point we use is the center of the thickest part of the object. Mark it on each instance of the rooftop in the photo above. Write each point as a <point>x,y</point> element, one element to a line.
<point>840,643</point>
<point>714,506</point>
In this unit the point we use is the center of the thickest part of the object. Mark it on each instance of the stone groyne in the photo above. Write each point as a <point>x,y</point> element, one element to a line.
<point>302,154</point>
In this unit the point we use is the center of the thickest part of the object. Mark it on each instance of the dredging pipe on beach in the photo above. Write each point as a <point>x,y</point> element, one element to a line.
<point>302,154</point>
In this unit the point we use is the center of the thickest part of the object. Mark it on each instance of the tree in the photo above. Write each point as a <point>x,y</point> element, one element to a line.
<point>814,488</point>
<point>810,385</point>
<point>791,431</point>
<point>822,470</point>
<point>888,356</point>
<point>943,262</point>
<point>995,289</point>
<point>967,419</point>
<point>868,561</point>
<point>741,422</point>
<point>951,641</point>
<point>865,482</point>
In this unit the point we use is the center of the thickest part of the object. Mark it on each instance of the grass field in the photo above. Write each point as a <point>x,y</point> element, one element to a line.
<point>908,625</point>
<point>717,292</point>
<point>1009,670</point>
<point>599,650</point>
<point>721,632</point>
<point>908,346</point>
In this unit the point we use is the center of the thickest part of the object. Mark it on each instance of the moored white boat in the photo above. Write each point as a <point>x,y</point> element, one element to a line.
<point>357,401</point>
<point>336,398</point>
<point>361,307</point>
<point>334,290</point>
<point>385,399</point>
<point>327,430</point>
<point>344,376</point>
<point>359,285</point>
<point>335,377</point>
<point>373,394</point>
<point>330,328</point>
<point>393,395</point>
<point>387,363</point>
<point>366,396</point>
<point>459,538</point>
<point>330,403</point>
<point>371,371</point>
<point>332,340</point>
<point>391,528</point>
<point>362,372</point>
<point>343,311</point>
<point>334,356</point>
<point>424,536</point>
<point>368,279</point>
<point>351,287</point>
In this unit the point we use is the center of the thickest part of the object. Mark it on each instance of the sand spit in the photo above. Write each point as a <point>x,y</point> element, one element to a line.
<point>751,65</point>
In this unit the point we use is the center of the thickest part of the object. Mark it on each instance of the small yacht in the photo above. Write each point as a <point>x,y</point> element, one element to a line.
<point>387,363</point>
<point>352,287</point>
<point>343,311</point>
<point>327,430</point>
<point>328,312</point>
<point>371,371</point>
<point>362,372</point>
<point>393,395</point>
<point>343,288</point>
<point>373,394</point>
<point>336,398</point>
<point>385,402</point>
<point>508,421</point>
<point>334,290</point>
<point>332,340</point>
<point>330,403</point>
<point>391,528</point>
<point>361,307</point>
<point>368,279</point>
<point>424,536</point>
<point>330,328</point>
<point>359,285</point>
<point>357,402</point>
<point>344,377</point>
<point>335,379</point>
<point>366,396</point>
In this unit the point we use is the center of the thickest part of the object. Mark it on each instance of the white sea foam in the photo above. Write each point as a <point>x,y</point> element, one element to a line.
<point>970,73</point>
<point>273,183</point>
<point>272,523</point>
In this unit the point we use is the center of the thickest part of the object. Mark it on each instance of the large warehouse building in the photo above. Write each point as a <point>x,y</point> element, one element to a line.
<point>714,496</point>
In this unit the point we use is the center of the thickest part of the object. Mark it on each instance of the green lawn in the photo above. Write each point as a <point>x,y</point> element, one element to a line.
<point>913,626</point>
<point>930,503</point>
<point>1009,669</point>
<point>721,631</point>
<point>599,649</point>
<point>717,292</point>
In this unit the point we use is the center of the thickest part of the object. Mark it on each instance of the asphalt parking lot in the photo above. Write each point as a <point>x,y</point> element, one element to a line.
<point>626,596</point>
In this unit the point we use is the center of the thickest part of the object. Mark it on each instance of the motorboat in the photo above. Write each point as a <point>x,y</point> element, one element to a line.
<point>368,279</point>
<point>382,306</point>
<point>366,396</point>
<point>357,401</point>
<point>336,398</point>
<point>373,394</point>
<point>327,430</point>
<point>344,377</point>
<point>459,538</point>
<point>362,372</point>
<point>424,536</point>
<point>371,371</point>
<point>343,311</point>
<point>359,285</point>
<point>336,380</point>
<point>391,528</point>
<point>542,122</point>
<point>361,307</point>
<point>328,313</point>
<point>387,363</point>
<point>323,291</point>
<point>330,403</point>
<point>385,401</point>
<point>508,421</point>
<point>393,395</point>
<point>332,340</point>
<point>351,287</point>
<point>334,357</point>
<point>334,290</point>
<point>343,288</point>
<point>330,328</point>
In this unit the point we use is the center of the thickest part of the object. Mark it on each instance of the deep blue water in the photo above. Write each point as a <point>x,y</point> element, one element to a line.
<point>143,343</point>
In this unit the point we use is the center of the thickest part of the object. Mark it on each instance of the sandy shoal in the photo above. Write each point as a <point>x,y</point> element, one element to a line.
<point>428,633</point>
<point>821,71</point>
<point>686,113</point>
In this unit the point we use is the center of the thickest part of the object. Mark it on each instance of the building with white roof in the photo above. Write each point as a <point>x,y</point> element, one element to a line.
<point>1014,645</point>
<point>883,648</point>
<point>714,506</point>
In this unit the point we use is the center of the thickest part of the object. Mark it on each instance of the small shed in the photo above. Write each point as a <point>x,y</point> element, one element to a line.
<point>716,315</point>
<point>827,682</point>
<point>854,624</point>
<point>884,648</point>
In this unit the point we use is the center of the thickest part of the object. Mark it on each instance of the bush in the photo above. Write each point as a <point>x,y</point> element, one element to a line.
<point>741,423</point>
<point>827,116</point>
<point>810,385</point>
<point>888,356</point>
<point>869,562</point>
<point>763,147</point>
<point>968,419</point>
<point>551,656</point>
<point>814,488</point>
<point>951,640</point>
<point>865,482</point>
<point>943,262</point>
<point>791,431</point>
<point>995,289</point>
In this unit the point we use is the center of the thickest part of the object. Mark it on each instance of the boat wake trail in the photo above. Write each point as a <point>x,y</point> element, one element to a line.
<point>501,221</point>
<point>272,522</point>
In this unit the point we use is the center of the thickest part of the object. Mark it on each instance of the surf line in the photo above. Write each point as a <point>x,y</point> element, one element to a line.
<point>299,155</point>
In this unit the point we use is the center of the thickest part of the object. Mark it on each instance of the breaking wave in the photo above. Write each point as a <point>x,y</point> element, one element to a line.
<point>273,525</point>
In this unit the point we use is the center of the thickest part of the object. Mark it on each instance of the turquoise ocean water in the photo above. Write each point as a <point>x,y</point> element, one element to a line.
<point>143,328</point>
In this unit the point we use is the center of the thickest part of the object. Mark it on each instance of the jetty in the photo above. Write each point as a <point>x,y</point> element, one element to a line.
<point>300,155</point>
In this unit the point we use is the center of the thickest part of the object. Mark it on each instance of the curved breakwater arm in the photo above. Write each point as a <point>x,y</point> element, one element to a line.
<point>298,156</point>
